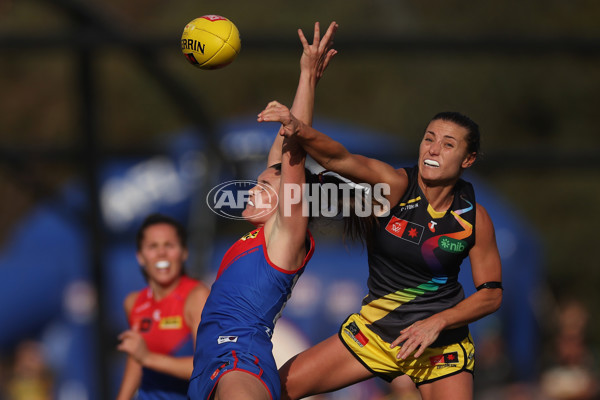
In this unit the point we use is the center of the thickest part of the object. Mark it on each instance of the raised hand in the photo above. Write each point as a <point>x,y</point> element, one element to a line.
<point>316,56</point>
<point>277,112</point>
<point>133,344</point>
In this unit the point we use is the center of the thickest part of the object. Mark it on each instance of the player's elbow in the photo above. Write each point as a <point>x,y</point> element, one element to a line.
<point>495,300</point>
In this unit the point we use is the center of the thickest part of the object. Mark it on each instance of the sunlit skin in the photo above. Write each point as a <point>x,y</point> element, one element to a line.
<point>443,156</point>
<point>262,198</point>
<point>443,153</point>
<point>161,243</point>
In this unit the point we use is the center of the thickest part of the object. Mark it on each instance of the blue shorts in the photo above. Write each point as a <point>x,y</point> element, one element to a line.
<point>202,386</point>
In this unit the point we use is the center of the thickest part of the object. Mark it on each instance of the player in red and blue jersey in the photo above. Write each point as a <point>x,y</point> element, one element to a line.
<point>234,339</point>
<point>233,357</point>
<point>163,317</point>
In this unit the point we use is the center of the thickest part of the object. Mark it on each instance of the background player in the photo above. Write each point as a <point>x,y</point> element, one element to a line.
<point>163,316</point>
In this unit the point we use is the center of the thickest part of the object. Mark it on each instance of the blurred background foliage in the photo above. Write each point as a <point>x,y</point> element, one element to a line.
<point>527,71</point>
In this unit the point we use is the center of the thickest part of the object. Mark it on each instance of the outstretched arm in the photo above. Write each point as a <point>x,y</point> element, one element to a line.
<point>285,231</point>
<point>313,62</point>
<point>333,156</point>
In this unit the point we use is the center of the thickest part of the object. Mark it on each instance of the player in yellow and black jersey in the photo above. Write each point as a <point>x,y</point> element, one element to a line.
<point>414,320</point>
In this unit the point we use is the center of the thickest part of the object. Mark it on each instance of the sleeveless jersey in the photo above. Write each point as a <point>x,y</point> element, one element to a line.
<point>245,301</point>
<point>163,327</point>
<point>414,261</point>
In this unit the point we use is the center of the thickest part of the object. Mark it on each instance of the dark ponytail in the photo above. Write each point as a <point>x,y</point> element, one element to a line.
<point>349,195</point>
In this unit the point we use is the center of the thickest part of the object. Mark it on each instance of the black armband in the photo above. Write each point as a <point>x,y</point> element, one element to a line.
<point>490,285</point>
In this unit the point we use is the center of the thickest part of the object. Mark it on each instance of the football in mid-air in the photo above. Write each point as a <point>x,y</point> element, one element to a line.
<point>210,42</point>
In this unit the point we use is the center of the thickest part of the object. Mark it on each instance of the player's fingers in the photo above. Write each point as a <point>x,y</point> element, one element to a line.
<point>123,345</point>
<point>317,34</point>
<point>328,37</point>
<point>420,351</point>
<point>302,38</point>
<point>272,105</point>
<point>407,348</point>
<point>267,113</point>
<point>264,116</point>
<point>330,33</point>
<point>124,334</point>
<point>398,340</point>
<point>328,57</point>
<point>274,112</point>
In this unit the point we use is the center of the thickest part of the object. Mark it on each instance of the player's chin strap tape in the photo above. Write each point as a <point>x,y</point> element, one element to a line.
<point>490,285</point>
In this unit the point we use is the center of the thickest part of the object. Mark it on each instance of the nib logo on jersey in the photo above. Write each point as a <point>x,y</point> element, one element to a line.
<point>451,245</point>
<point>405,229</point>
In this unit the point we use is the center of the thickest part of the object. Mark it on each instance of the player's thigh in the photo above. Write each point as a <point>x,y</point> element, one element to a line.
<point>241,385</point>
<point>322,368</point>
<point>455,387</point>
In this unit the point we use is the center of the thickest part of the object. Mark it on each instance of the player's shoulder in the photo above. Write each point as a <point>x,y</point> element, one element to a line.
<point>200,290</point>
<point>201,287</point>
<point>197,297</point>
<point>130,300</point>
<point>482,214</point>
<point>484,227</point>
<point>402,171</point>
<point>404,175</point>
